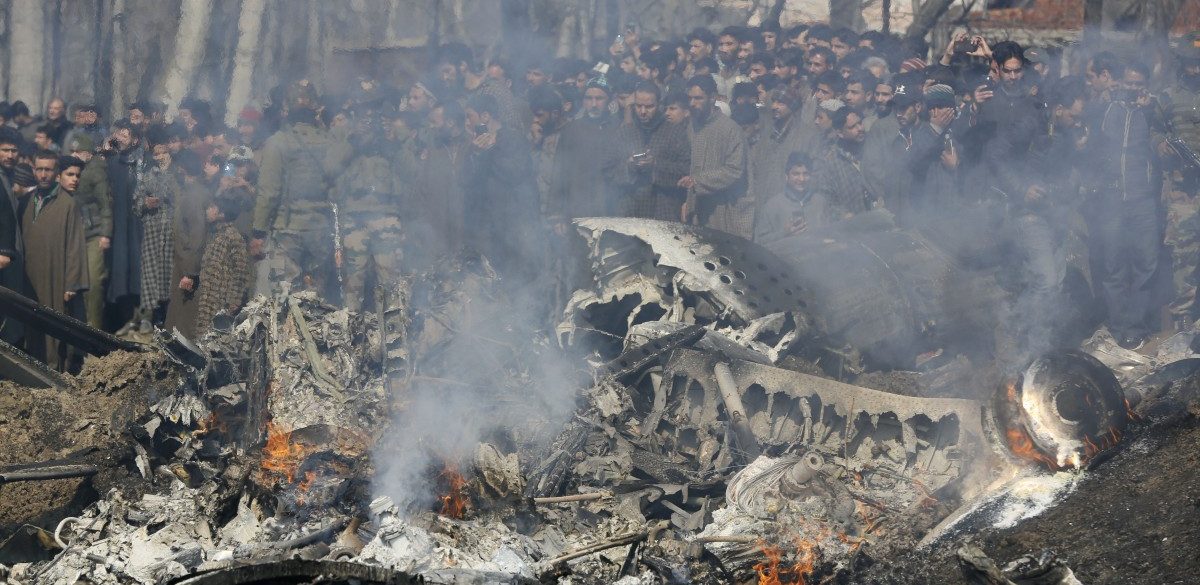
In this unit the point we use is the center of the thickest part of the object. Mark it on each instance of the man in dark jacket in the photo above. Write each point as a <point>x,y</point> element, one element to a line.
<point>12,273</point>
<point>501,207</point>
<point>586,160</point>
<point>1124,190</point>
<point>126,163</point>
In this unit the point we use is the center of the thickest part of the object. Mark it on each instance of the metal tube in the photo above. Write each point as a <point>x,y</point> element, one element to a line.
<point>747,442</point>
<point>49,472</point>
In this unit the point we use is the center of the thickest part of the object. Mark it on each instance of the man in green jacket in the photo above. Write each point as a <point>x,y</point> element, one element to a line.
<point>95,205</point>
<point>293,208</point>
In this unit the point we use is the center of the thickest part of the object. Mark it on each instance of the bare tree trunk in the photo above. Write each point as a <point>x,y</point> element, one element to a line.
<point>566,33</point>
<point>316,41</point>
<point>459,15</point>
<point>927,17</point>
<point>5,39</point>
<point>189,48</point>
<point>777,11</point>
<point>1158,16</point>
<point>115,29</point>
<point>887,17</point>
<point>845,13</point>
<point>78,57</point>
<point>26,34</point>
<point>249,25</point>
<point>585,29</point>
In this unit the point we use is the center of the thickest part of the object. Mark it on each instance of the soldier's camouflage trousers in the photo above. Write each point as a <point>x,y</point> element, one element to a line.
<point>370,240</point>
<point>301,258</point>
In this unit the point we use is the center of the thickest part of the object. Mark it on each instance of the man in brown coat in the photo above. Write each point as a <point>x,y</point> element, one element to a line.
<point>189,231</point>
<point>718,193</point>
<point>56,259</point>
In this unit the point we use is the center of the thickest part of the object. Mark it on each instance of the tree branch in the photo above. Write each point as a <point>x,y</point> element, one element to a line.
<point>927,17</point>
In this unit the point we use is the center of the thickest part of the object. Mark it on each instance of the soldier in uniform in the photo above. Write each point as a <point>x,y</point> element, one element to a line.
<point>1180,110</point>
<point>368,197</point>
<point>292,214</point>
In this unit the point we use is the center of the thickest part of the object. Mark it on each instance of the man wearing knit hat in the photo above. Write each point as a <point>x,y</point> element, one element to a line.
<point>588,154</point>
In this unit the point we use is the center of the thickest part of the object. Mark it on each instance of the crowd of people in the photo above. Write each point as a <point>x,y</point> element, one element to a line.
<point>763,132</point>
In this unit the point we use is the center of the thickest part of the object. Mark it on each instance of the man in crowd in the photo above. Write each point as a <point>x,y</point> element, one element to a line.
<point>1125,198</point>
<point>718,181</point>
<point>95,206</point>
<point>660,157</point>
<point>293,206</point>
<point>501,220</point>
<point>55,257</point>
<point>796,208</point>
<point>12,268</point>
<point>779,138</point>
<point>587,157</point>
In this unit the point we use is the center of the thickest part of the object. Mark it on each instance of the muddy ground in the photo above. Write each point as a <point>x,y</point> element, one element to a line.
<point>1134,519</point>
<point>87,423</point>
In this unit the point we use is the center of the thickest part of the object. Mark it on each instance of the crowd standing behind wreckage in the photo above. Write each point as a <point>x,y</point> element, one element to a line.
<point>756,304</point>
<point>761,132</point>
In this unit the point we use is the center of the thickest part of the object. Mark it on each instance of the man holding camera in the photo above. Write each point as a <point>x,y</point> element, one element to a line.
<point>660,157</point>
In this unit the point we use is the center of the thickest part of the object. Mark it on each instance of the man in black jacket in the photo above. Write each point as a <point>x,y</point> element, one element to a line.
<point>1124,189</point>
<point>502,203</point>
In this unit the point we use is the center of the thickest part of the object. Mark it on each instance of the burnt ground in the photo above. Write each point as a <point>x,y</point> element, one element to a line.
<point>87,422</point>
<point>1134,519</point>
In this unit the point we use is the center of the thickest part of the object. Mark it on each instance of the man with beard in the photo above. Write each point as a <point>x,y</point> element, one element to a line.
<point>890,161</point>
<point>56,262</point>
<point>588,154</point>
<point>788,65</point>
<point>660,156</point>
<point>701,43</point>
<point>728,73</point>
<point>717,182</point>
<point>293,207</point>
<point>545,128</point>
<point>838,177</point>
<point>778,139</point>
<point>87,121</point>
<point>860,95</point>
<point>56,122</point>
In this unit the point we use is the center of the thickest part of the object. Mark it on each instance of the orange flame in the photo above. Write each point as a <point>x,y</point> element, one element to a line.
<point>1022,446</point>
<point>281,455</point>
<point>772,572</point>
<point>455,502</point>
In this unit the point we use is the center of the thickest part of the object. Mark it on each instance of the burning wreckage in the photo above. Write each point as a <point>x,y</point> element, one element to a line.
<point>706,413</point>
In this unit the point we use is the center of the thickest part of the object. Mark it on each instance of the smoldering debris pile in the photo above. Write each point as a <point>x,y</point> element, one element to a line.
<point>697,421</point>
